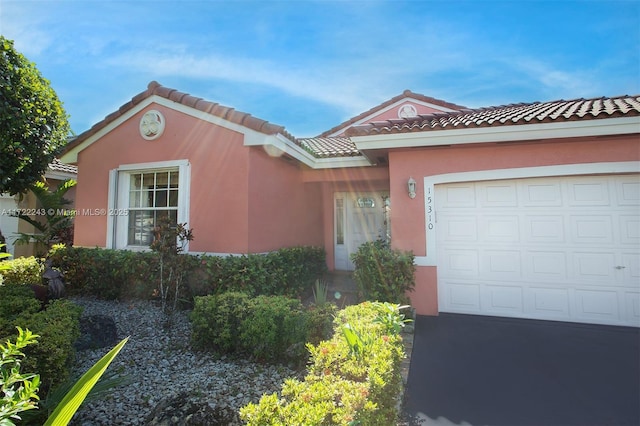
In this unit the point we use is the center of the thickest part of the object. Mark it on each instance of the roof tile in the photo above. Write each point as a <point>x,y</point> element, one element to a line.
<point>405,94</point>
<point>322,147</point>
<point>154,88</point>
<point>58,166</point>
<point>515,114</point>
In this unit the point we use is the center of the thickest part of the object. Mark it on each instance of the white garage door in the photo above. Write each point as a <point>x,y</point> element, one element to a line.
<point>546,248</point>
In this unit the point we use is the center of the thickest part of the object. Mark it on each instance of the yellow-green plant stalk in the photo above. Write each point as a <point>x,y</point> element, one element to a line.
<point>71,402</point>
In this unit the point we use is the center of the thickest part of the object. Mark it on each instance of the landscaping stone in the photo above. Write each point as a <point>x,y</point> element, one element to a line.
<point>184,410</point>
<point>168,383</point>
<point>97,331</point>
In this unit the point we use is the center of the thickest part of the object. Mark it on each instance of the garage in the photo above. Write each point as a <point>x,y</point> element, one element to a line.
<point>551,248</point>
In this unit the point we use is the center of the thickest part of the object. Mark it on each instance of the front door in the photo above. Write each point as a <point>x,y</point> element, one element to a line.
<point>359,218</point>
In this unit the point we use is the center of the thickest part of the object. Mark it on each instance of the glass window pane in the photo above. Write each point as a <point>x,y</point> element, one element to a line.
<point>162,180</point>
<point>161,199</point>
<point>173,215</point>
<point>139,228</point>
<point>340,221</point>
<point>173,179</point>
<point>134,198</point>
<point>152,195</point>
<point>146,199</point>
<point>135,181</point>
<point>173,198</point>
<point>148,180</point>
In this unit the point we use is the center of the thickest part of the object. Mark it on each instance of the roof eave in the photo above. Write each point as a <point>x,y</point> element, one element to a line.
<point>510,133</point>
<point>279,144</point>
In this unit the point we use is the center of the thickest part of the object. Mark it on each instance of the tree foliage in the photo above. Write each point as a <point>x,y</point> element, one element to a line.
<point>33,123</point>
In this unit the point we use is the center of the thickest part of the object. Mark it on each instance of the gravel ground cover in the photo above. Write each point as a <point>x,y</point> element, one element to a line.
<point>169,383</point>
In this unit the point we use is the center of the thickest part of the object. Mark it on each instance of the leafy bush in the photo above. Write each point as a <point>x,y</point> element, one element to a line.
<point>115,274</point>
<point>18,391</point>
<point>382,273</point>
<point>329,400</point>
<point>23,270</point>
<point>287,272</point>
<point>342,388</point>
<point>267,328</point>
<point>106,274</point>
<point>276,328</point>
<point>15,301</point>
<point>217,320</point>
<point>58,326</point>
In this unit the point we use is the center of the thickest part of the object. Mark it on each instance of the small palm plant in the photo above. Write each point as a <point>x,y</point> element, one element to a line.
<point>54,223</point>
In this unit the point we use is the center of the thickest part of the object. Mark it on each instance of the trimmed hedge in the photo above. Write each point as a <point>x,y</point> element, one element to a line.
<point>106,274</point>
<point>57,325</point>
<point>343,386</point>
<point>23,270</point>
<point>266,328</point>
<point>118,274</point>
<point>383,274</point>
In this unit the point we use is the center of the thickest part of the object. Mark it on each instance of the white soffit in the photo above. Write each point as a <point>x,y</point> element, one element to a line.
<point>521,132</point>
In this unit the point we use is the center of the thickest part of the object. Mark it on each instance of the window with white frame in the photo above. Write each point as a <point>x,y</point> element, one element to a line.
<point>147,193</point>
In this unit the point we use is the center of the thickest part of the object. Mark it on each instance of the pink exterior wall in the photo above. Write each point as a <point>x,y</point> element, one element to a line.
<point>238,195</point>
<point>219,165</point>
<point>408,216</point>
<point>357,179</point>
<point>283,211</point>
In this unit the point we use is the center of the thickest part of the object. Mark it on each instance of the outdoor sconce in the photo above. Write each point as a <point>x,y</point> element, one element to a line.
<point>411,186</point>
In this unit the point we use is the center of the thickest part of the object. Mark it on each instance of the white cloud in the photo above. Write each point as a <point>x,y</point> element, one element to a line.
<point>21,22</point>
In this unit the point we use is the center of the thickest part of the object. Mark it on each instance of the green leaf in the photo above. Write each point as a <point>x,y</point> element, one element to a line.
<point>72,401</point>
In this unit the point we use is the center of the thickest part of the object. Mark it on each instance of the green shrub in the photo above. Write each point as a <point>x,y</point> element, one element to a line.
<point>216,322</point>
<point>15,301</point>
<point>286,272</point>
<point>266,328</point>
<point>275,329</point>
<point>383,274</point>
<point>106,274</point>
<point>58,326</point>
<point>23,270</point>
<point>18,391</point>
<point>340,387</point>
<point>330,400</point>
<point>116,274</point>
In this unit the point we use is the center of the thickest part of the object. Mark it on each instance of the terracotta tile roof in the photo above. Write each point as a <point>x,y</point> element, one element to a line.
<point>405,94</point>
<point>329,147</point>
<point>58,166</point>
<point>508,115</point>
<point>213,108</point>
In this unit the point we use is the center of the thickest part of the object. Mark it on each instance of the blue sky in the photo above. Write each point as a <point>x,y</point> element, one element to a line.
<point>311,65</point>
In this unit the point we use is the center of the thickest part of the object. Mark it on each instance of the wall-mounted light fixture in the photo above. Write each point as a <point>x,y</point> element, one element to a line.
<point>411,187</point>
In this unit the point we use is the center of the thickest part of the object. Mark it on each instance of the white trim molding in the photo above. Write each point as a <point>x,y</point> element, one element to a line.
<point>518,173</point>
<point>522,132</point>
<point>119,195</point>
<point>275,144</point>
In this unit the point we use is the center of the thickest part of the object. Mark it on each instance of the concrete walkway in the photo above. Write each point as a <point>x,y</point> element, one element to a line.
<point>472,370</point>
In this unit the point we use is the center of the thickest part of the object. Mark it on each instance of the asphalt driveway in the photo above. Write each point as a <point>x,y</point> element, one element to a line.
<point>478,370</point>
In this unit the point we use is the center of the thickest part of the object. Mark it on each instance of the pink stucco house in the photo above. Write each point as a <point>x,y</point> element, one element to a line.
<point>524,210</point>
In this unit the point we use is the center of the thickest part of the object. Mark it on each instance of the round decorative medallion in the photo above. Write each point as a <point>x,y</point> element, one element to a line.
<point>407,111</point>
<point>151,125</point>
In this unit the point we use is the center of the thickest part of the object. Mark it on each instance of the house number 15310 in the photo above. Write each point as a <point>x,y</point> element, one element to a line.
<point>429,207</point>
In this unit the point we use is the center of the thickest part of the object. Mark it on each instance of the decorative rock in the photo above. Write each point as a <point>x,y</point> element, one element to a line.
<point>167,379</point>
<point>97,331</point>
